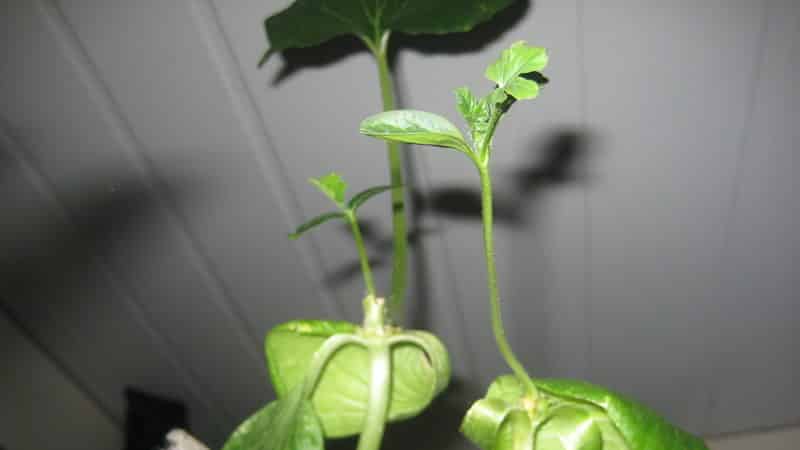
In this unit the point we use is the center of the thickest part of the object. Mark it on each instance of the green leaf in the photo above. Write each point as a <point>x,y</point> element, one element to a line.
<point>285,424</point>
<point>475,111</point>
<point>516,433</point>
<point>571,428</point>
<point>340,397</point>
<point>332,186</point>
<point>517,60</point>
<point>311,22</point>
<point>322,218</point>
<point>522,89</point>
<point>641,428</point>
<point>415,127</point>
<point>569,415</point>
<point>361,198</point>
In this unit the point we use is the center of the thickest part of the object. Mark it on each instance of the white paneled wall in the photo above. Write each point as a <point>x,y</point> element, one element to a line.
<point>646,230</point>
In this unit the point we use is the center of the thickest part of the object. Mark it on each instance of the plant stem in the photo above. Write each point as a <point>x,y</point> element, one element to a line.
<point>321,358</point>
<point>399,240</point>
<point>378,402</point>
<point>362,253</point>
<point>491,273</point>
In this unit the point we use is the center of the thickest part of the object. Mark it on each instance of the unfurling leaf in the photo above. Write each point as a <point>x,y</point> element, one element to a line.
<point>415,127</point>
<point>331,185</point>
<point>476,112</point>
<point>310,22</point>
<point>341,395</point>
<point>515,61</point>
<point>361,198</point>
<point>322,218</point>
<point>568,415</point>
<point>288,423</point>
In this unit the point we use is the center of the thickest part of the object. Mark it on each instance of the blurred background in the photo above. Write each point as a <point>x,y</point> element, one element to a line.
<point>647,210</point>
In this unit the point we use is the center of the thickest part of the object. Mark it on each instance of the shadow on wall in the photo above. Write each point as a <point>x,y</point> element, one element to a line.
<point>558,161</point>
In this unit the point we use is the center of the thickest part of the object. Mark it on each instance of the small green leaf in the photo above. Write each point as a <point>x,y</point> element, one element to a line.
<point>331,185</point>
<point>322,218</point>
<point>310,22</point>
<point>340,397</point>
<point>285,424</point>
<point>522,89</point>
<point>517,60</point>
<point>361,198</point>
<point>497,96</point>
<point>415,127</point>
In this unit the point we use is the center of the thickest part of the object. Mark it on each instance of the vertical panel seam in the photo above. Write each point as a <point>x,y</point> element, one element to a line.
<point>100,92</point>
<point>735,186</point>
<point>270,164</point>
<point>44,187</point>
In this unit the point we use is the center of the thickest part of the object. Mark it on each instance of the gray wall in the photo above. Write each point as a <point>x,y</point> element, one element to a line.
<point>646,218</point>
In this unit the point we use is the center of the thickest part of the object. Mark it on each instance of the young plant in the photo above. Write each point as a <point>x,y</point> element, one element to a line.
<point>337,379</point>
<point>307,23</point>
<point>520,412</point>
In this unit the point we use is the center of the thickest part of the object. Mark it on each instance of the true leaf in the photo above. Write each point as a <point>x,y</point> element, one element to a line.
<point>415,127</point>
<point>288,423</point>
<point>361,198</point>
<point>515,61</point>
<point>332,186</point>
<point>310,22</point>
<point>322,218</point>
<point>340,397</point>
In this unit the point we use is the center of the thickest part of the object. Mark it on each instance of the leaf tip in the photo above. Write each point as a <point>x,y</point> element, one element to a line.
<point>265,57</point>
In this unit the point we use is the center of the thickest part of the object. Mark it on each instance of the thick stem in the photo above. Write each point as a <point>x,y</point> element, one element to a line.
<point>362,253</point>
<point>491,274</point>
<point>380,384</point>
<point>399,240</point>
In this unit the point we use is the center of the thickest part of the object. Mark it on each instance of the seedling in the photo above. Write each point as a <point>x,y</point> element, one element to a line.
<point>336,379</point>
<point>520,412</point>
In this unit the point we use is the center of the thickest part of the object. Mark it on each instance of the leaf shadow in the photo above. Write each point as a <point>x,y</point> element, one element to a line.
<point>558,161</point>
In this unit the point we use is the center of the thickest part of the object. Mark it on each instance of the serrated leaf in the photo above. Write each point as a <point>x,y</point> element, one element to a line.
<point>285,424</point>
<point>517,60</point>
<point>320,219</point>
<point>415,127</point>
<point>332,185</point>
<point>362,197</point>
<point>340,397</point>
<point>311,22</point>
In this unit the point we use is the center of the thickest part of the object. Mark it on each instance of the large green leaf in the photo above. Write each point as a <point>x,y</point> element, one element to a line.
<point>310,22</point>
<point>341,395</point>
<point>569,415</point>
<point>415,127</point>
<point>288,423</point>
<point>642,428</point>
